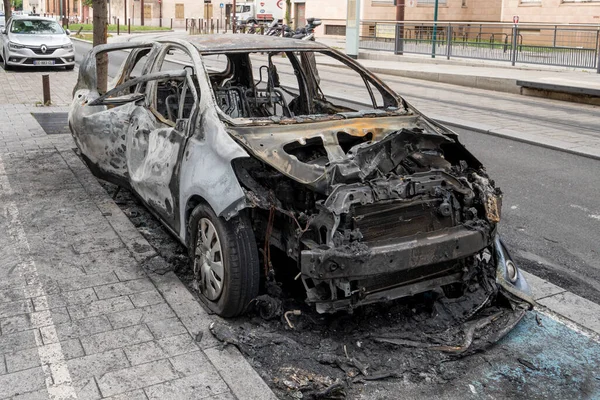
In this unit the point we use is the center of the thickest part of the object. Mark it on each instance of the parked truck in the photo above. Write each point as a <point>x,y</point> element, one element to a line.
<point>259,11</point>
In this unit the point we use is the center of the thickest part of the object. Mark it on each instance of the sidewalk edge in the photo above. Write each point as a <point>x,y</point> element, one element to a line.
<point>517,136</point>
<point>243,380</point>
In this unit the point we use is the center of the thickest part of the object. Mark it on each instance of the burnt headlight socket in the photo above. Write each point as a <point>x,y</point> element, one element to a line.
<point>512,273</point>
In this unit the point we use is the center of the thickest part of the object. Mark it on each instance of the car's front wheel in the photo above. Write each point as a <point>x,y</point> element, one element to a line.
<point>5,63</point>
<point>224,259</point>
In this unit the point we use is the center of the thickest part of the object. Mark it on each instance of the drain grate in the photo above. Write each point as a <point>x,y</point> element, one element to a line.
<point>53,123</point>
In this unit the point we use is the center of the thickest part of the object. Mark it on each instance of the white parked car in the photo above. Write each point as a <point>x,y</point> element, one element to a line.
<point>36,41</point>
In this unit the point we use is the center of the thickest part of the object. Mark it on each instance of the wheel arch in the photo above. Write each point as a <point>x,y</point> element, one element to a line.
<point>196,199</point>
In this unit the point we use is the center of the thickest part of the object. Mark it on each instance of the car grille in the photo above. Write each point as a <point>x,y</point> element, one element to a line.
<point>38,50</point>
<point>378,222</point>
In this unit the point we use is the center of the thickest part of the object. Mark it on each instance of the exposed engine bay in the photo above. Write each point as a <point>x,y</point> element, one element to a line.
<point>368,213</point>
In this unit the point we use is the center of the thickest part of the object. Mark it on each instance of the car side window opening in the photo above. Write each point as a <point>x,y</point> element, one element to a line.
<point>256,85</point>
<point>136,65</point>
<point>173,98</point>
<point>291,84</point>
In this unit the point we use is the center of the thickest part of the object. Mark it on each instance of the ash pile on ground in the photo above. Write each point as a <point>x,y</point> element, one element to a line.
<point>337,356</point>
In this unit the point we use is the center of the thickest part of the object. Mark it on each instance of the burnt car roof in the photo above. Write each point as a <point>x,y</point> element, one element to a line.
<point>230,42</point>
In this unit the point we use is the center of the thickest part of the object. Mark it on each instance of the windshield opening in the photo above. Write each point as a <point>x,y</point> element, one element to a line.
<point>293,84</point>
<point>242,9</point>
<point>26,26</point>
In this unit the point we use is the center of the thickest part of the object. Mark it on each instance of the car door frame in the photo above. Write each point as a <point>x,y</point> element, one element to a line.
<point>172,219</point>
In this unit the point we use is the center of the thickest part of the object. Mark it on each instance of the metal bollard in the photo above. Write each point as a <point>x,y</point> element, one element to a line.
<point>171,23</point>
<point>118,27</point>
<point>129,26</point>
<point>46,89</point>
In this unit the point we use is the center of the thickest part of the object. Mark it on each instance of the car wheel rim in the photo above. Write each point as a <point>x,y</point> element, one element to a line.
<point>208,262</point>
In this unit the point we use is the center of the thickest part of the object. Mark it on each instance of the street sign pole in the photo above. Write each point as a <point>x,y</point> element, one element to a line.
<point>221,6</point>
<point>435,18</point>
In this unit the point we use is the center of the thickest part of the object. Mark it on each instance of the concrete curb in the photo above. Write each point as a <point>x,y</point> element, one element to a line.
<point>243,381</point>
<point>505,85</point>
<point>548,143</point>
<point>574,311</point>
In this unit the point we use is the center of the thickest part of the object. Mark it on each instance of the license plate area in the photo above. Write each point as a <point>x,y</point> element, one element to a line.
<point>43,62</point>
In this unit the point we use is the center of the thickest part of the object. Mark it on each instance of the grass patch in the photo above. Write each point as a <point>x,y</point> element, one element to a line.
<point>113,28</point>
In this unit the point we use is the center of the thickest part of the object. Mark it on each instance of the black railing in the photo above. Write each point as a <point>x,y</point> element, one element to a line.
<point>574,46</point>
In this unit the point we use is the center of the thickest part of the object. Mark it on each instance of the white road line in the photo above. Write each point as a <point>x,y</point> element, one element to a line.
<point>54,365</point>
<point>586,210</point>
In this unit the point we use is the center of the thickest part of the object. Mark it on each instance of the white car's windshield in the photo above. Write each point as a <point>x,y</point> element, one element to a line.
<point>32,26</point>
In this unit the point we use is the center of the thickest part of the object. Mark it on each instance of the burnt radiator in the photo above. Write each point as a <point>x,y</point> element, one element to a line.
<point>385,221</point>
<point>408,277</point>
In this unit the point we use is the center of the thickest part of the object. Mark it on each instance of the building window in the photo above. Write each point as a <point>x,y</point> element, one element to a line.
<point>179,11</point>
<point>337,30</point>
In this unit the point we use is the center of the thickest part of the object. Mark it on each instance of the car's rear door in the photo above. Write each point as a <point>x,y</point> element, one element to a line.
<point>158,131</point>
<point>99,122</point>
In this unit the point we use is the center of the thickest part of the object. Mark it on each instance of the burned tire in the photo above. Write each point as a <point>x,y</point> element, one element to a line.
<point>224,259</point>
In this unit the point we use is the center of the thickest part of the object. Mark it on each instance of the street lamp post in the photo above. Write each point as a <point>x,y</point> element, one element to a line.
<point>435,18</point>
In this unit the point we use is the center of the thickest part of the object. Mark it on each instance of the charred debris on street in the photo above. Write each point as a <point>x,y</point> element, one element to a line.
<point>267,173</point>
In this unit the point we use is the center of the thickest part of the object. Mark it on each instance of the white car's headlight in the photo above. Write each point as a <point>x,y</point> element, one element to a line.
<point>15,46</point>
<point>67,46</point>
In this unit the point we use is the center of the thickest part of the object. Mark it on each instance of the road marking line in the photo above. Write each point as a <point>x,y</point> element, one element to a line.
<point>58,379</point>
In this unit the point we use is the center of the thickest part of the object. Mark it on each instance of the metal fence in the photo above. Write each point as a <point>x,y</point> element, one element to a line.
<point>561,45</point>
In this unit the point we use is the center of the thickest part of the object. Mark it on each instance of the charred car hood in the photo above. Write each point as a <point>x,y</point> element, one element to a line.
<point>323,154</point>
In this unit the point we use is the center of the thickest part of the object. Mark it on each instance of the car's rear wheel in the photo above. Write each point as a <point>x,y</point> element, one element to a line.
<point>224,259</point>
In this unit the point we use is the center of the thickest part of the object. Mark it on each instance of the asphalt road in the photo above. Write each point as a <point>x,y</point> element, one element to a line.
<point>551,214</point>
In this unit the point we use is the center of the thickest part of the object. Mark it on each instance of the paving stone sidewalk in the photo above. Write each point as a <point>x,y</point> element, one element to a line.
<point>82,315</point>
<point>25,86</point>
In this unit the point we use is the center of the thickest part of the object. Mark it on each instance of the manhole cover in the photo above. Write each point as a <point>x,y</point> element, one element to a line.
<point>53,123</point>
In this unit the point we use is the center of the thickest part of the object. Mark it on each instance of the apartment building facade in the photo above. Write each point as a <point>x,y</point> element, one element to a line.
<point>155,12</point>
<point>333,12</point>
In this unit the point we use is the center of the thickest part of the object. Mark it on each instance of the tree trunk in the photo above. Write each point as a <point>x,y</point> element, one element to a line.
<point>288,12</point>
<point>7,10</point>
<point>100,22</point>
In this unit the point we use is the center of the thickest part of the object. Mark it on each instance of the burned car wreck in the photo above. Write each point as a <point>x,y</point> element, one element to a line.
<point>241,148</point>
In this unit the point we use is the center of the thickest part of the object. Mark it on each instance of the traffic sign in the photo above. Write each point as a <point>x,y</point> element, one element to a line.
<point>516,19</point>
<point>221,5</point>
